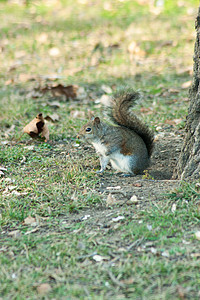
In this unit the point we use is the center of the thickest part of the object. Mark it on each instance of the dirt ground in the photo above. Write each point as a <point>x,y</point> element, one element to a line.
<point>151,189</point>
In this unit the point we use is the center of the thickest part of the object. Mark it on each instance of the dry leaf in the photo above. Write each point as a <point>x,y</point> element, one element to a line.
<point>43,288</point>
<point>186,84</point>
<point>113,187</point>
<point>197,235</point>
<point>15,233</point>
<point>173,122</point>
<point>118,218</point>
<point>135,50</point>
<point>77,114</point>
<point>86,217</point>
<point>52,118</point>
<point>42,38</point>
<point>97,258</point>
<point>173,209</point>
<point>54,104</point>
<point>111,200</point>
<point>24,77</point>
<point>197,255</point>
<point>181,292</point>
<point>54,52</point>
<point>165,254</point>
<point>30,221</point>
<point>37,126</point>
<point>106,89</point>
<point>70,91</point>
<point>1,170</point>
<point>81,93</point>
<point>137,184</point>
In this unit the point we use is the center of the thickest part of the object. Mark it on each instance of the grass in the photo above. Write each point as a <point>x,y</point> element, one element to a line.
<point>150,254</point>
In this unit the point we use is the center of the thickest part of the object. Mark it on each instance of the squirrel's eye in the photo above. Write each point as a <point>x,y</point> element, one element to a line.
<point>88,129</point>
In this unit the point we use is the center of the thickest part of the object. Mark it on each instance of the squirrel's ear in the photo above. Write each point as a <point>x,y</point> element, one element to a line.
<point>96,120</point>
<point>90,115</point>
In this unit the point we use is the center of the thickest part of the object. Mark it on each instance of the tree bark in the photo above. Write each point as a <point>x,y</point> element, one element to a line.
<point>189,160</point>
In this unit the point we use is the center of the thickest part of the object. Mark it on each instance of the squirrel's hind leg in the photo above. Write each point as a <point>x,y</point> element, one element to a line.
<point>104,160</point>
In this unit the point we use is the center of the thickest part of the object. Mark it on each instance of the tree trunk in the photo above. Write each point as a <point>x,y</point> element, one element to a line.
<point>189,161</point>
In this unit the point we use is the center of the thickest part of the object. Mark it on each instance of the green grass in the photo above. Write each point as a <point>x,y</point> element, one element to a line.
<point>150,254</point>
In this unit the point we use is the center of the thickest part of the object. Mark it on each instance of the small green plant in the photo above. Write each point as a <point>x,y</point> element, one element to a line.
<point>146,175</point>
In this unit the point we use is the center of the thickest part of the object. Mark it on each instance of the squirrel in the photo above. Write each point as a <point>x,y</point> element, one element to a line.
<point>129,144</point>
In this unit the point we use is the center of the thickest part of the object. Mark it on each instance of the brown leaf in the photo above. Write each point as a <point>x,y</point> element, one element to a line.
<point>186,84</point>
<point>135,50</point>
<point>37,126</point>
<point>54,52</point>
<point>77,114</point>
<point>197,235</point>
<point>173,122</point>
<point>137,184</point>
<point>30,221</point>
<point>15,233</point>
<point>70,91</point>
<point>181,292</point>
<point>43,288</point>
<point>24,77</point>
<point>111,200</point>
<point>52,118</point>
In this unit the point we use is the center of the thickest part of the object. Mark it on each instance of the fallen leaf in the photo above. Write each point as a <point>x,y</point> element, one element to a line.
<point>30,221</point>
<point>181,292</point>
<point>118,218</point>
<point>154,250</point>
<point>137,184</point>
<point>113,187</point>
<point>173,209</point>
<point>186,84</point>
<point>54,52</point>
<point>24,77</point>
<point>129,280</point>
<point>43,288</point>
<point>97,258</point>
<point>15,233</point>
<point>197,235</point>
<point>42,38</point>
<point>20,54</point>
<point>149,227</point>
<point>37,126</point>
<point>106,89</point>
<point>111,200</point>
<point>70,91</point>
<point>32,231</point>
<point>135,50</point>
<point>165,254</point>
<point>52,118</point>
<point>86,217</point>
<point>77,114</point>
<point>173,122</point>
<point>81,93</point>
<point>134,199</point>
<point>195,255</point>
<point>2,170</point>
<point>54,104</point>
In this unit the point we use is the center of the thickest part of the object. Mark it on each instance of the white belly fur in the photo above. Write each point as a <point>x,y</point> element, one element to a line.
<point>121,162</point>
<point>118,161</point>
<point>100,148</point>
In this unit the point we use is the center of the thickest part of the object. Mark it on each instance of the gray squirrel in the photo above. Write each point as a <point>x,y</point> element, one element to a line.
<point>129,144</point>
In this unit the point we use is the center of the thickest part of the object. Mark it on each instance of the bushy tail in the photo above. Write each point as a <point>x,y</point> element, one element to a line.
<point>121,115</point>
